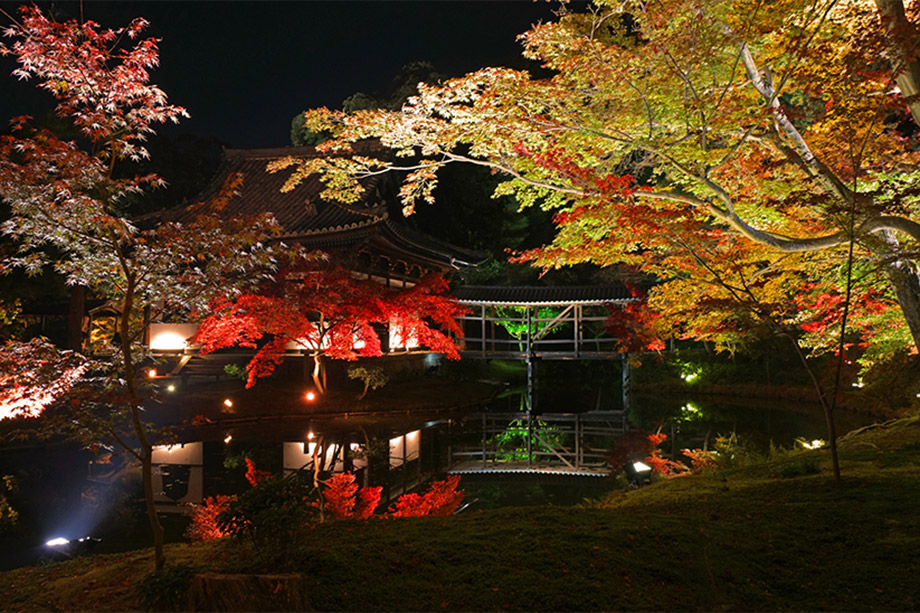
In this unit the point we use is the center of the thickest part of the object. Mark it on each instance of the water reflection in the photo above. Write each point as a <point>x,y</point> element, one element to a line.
<point>695,421</point>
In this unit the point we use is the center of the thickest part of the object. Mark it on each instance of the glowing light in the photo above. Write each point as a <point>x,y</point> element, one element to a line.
<point>227,439</point>
<point>57,542</point>
<point>171,337</point>
<point>228,402</point>
<point>152,373</point>
<point>354,446</point>
<point>412,435</point>
<point>815,444</point>
<point>310,396</point>
<point>641,466</point>
<point>310,436</point>
<point>170,388</point>
<point>169,448</point>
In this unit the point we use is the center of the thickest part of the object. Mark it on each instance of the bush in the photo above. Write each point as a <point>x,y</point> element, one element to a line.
<point>344,501</point>
<point>204,525</point>
<point>441,499</point>
<point>273,509</point>
<point>805,466</point>
<point>165,589</point>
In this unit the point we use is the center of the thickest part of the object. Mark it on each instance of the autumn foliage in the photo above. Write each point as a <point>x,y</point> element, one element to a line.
<point>442,498</point>
<point>203,524</point>
<point>327,311</point>
<point>345,501</point>
<point>220,516</point>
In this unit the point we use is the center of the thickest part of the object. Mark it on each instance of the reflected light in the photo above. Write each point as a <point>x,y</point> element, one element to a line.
<point>228,438</point>
<point>310,396</point>
<point>228,402</point>
<point>152,373</point>
<point>171,388</point>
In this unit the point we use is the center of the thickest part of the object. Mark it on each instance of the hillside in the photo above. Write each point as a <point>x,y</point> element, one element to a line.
<point>764,535</point>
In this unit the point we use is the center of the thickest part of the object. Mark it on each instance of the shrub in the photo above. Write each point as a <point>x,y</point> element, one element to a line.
<point>274,508</point>
<point>805,466</point>
<point>203,524</point>
<point>165,589</point>
<point>441,499</point>
<point>341,500</point>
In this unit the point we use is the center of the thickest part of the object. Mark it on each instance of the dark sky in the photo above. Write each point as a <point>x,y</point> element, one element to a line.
<point>244,69</point>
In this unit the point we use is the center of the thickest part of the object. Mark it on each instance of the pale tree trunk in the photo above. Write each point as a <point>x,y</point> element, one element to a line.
<point>904,279</point>
<point>902,55</point>
<point>319,372</point>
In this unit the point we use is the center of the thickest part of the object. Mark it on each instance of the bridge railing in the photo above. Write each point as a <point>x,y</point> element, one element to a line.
<point>576,442</point>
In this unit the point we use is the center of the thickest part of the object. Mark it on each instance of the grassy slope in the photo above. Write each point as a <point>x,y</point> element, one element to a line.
<point>744,538</point>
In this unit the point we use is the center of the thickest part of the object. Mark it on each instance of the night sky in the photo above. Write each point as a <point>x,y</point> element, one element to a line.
<point>243,70</point>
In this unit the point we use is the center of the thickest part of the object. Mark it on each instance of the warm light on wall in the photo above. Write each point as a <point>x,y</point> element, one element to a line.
<point>171,337</point>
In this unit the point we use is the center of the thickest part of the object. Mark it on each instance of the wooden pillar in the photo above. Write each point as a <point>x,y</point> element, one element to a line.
<point>624,360</point>
<point>75,314</point>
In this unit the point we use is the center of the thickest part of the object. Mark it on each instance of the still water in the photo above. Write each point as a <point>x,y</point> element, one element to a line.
<point>57,491</point>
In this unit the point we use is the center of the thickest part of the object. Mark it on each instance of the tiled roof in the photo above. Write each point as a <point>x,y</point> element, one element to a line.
<point>306,217</point>
<point>522,296</point>
<point>300,211</point>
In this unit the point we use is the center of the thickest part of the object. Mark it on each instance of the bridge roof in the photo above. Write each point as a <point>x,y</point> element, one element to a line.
<point>542,296</point>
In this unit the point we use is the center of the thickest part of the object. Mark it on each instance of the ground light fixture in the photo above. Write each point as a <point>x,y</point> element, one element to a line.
<point>637,472</point>
<point>60,548</point>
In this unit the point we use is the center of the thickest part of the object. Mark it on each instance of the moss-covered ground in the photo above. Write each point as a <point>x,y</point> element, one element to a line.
<point>763,535</point>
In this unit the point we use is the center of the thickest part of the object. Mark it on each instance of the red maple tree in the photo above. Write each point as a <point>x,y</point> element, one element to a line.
<point>329,312</point>
<point>441,499</point>
<point>345,501</point>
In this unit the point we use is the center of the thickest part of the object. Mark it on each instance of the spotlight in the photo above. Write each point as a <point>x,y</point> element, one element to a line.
<point>310,396</point>
<point>637,472</point>
<point>227,439</point>
<point>152,373</point>
<point>170,388</point>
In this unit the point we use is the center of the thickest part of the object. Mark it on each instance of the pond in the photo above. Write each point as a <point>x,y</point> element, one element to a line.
<point>695,421</point>
<point>66,488</point>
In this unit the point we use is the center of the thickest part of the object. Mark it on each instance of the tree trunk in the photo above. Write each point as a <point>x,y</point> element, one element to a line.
<point>906,282</point>
<point>146,449</point>
<point>76,313</point>
<point>319,372</point>
<point>155,527</point>
<point>902,56</point>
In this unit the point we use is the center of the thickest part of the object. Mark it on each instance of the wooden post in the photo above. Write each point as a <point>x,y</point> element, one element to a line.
<point>626,382</point>
<point>578,449</point>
